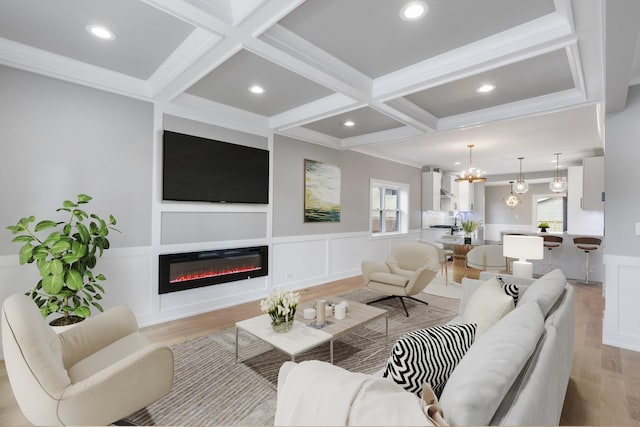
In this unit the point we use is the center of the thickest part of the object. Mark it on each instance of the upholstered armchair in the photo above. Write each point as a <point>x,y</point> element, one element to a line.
<point>409,268</point>
<point>95,373</point>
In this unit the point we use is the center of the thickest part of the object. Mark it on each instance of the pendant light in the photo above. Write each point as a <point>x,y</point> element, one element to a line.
<point>559,184</point>
<point>472,174</point>
<point>521,186</point>
<point>511,200</point>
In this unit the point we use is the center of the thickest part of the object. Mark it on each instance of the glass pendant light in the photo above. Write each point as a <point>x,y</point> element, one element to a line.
<point>521,186</point>
<point>472,174</point>
<point>559,184</point>
<point>511,200</point>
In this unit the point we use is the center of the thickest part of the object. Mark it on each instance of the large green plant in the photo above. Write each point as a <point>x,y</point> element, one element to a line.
<point>65,259</point>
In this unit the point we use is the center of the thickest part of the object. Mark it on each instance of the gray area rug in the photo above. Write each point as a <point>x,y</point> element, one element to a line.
<point>210,389</point>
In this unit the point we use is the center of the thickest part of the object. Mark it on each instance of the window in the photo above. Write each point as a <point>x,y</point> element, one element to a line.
<point>389,208</point>
<point>550,208</point>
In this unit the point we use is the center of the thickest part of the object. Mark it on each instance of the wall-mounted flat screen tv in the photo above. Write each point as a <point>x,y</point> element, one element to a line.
<point>201,169</point>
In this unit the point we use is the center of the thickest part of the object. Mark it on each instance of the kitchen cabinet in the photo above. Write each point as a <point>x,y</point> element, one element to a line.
<point>580,221</point>
<point>431,182</point>
<point>593,184</point>
<point>464,197</point>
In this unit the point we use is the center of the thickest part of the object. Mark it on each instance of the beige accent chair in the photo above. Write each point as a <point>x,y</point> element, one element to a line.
<point>487,257</point>
<point>409,268</point>
<point>95,373</point>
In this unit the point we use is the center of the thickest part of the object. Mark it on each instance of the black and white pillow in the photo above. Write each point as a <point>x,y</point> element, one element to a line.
<point>429,355</point>
<point>510,289</point>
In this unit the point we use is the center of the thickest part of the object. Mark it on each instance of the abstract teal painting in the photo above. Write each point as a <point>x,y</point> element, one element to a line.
<point>321,192</point>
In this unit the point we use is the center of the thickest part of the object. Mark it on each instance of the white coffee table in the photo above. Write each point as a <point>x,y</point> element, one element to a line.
<point>302,337</point>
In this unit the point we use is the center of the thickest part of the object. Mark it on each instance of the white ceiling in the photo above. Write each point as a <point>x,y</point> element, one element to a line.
<point>408,86</point>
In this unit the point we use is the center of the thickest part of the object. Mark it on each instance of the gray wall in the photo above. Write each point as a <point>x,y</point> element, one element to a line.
<point>622,208</point>
<point>188,227</point>
<point>60,139</point>
<point>356,171</point>
<point>497,213</point>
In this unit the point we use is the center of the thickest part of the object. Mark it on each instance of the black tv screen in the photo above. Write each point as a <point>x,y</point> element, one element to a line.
<point>201,169</point>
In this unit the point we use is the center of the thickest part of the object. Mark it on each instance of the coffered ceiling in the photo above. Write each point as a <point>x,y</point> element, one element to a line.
<point>409,87</point>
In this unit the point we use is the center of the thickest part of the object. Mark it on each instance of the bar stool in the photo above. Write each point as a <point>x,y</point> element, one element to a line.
<point>587,244</point>
<point>551,242</point>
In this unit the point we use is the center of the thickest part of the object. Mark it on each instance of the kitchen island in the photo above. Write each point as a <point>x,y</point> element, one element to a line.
<point>567,258</point>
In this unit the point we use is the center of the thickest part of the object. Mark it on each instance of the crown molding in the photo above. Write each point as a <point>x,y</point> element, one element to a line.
<point>528,107</point>
<point>204,110</point>
<point>314,111</point>
<point>385,136</point>
<point>311,136</point>
<point>534,38</point>
<point>39,61</point>
<point>197,44</point>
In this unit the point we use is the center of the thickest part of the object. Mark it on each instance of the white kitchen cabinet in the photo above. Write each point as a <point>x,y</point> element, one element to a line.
<point>464,197</point>
<point>579,221</point>
<point>593,184</point>
<point>431,182</point>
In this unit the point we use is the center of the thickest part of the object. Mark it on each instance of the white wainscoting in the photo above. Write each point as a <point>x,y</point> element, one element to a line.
<point>295,263</point>
<point>303,261</point>
<point>621,323</point>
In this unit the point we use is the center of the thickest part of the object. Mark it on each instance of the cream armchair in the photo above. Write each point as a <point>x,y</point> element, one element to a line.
<point>95,373</point>
<point>407,271</point>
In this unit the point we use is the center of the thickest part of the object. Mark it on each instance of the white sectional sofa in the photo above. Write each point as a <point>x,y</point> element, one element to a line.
<point>493,384</point>
<point>517,371</point>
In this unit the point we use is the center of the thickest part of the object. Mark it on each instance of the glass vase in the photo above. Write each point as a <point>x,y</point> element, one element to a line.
<point>282,324</point>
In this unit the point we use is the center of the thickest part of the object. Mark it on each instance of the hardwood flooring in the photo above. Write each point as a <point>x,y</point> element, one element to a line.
<point>604,388</point>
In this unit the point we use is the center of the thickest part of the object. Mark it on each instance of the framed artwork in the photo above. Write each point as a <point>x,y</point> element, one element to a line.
<point>321,192</point>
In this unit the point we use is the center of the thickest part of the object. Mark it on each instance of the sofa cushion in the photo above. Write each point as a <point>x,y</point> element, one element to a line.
<point>484,375</point>
<point>389,278</point>
<point>469,286</point>
<point>545,291</point>
<point>318,393</point>
<point>428,355</point>
<point>487,306</point>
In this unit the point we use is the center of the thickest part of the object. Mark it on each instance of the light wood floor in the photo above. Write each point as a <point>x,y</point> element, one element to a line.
<point>604,388</point>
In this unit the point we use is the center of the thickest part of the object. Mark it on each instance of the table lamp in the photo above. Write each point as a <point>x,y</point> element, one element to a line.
<point>523,248</point>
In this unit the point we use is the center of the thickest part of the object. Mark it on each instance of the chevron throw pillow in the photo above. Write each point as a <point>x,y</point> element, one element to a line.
<point>429,355</point>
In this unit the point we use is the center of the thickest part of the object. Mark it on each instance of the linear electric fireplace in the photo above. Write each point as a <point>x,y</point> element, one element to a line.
<point>197,269</point>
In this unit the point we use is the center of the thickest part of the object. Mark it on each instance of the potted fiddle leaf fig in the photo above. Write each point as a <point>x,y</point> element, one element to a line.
<point>65,258</point>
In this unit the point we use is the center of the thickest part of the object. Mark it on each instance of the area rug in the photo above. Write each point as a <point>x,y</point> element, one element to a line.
<point>439,288</point>
<point>211,389</point>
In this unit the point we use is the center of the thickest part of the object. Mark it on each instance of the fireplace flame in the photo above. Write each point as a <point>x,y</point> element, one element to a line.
<point>207,274</point>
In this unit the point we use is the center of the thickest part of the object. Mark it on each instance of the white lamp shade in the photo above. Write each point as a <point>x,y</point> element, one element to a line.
<point>523,247</point>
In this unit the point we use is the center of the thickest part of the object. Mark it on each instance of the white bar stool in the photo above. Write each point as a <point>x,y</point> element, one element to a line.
<point>551,242</point>
<point>587,244</point>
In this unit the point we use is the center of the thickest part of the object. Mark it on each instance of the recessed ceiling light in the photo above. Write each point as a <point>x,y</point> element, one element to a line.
<point>456,163</point>
<point>486,88</point>
<point>257,89</point>
<point>101,32</point>
<point>349,123</point>
<point>413,10</point>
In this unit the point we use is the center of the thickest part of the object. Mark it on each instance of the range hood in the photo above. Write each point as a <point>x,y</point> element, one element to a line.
<point>444,194</point>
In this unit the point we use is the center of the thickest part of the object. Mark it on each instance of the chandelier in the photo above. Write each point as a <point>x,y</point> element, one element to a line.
<point>521,186</point>
<point>559,184</point>
<point>511,200</point>
<point>472,174</point>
